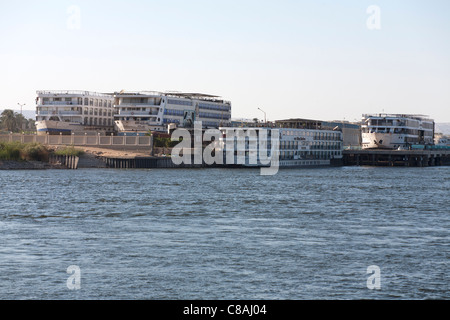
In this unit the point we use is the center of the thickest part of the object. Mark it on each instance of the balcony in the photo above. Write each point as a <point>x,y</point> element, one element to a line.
<point>58,103</point>
<point>137,113</point>
<point>141,104</point>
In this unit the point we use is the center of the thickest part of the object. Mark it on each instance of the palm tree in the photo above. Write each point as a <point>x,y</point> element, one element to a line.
<point>20,122</point>
<point>8,120</point>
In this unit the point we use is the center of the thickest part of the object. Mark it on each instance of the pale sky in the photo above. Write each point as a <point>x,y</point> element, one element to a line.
<point>293,59</point>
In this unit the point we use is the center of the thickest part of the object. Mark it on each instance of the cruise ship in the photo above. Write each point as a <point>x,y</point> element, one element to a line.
<point>141,112</point>
<point>302,143</point>
<point>396,131</point>
<point>66,112</point>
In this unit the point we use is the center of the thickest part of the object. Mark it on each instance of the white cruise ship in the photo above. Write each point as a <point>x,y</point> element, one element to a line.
<point>141,112</point>
<point>396,131</point>
<point>66,112</point>
<point>302,143</point>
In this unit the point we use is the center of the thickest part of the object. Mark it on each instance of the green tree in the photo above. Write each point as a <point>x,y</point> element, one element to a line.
<point>21,122</point>
<point>8,120</point>
<point>31,124</point>
<point>15,122</point>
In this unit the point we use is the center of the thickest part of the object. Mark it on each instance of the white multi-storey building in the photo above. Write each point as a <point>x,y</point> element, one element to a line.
<point>155,111</point>
<point>301,143</point>
<point>73,111</point>
<point>393,131</point>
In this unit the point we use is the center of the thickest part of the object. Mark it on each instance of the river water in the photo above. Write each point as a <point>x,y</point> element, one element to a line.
<point>225,234</point>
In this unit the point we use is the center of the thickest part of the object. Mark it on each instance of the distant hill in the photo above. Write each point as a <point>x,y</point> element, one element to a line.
<point>28,114</point>
<point>443,128</point>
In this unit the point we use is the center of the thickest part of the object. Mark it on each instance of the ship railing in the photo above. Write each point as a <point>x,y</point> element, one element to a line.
<point>74,92</point>
<point>58,103</point>
<point>130,104</point>
<point>136,113</point>
<point>61,113</point>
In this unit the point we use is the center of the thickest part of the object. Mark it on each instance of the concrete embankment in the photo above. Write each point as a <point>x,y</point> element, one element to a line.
<point>27,165</point>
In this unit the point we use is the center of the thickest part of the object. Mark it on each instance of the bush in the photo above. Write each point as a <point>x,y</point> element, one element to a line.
<point>23,151</point>
<point>34,151</point>
<point>10,150</point>
<point>164,142</point>
<point>69,151</point>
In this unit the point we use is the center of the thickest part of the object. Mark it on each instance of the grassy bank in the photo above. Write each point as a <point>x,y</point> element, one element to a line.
<point>69,151</point>
<point>23,151</point>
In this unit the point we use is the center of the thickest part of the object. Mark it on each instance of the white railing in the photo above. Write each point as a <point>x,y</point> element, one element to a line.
<point>79,140</point>
<point>59,103</point>
<point>136,113</point>
<point>73,92</point>
<point>130,104</point>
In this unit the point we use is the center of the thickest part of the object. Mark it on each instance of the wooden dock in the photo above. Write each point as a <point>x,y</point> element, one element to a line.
<point>405,158</point>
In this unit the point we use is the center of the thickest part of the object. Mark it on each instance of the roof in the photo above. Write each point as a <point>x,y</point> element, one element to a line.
<point>192,94</point>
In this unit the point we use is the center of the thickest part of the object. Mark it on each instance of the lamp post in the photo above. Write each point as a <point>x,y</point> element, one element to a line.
<point>264,114</point>
<point>21,105</point>
<point>21,120</point>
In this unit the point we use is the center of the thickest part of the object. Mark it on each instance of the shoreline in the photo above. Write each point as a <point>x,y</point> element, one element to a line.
<point>27,165</point>
<point>92,158</point>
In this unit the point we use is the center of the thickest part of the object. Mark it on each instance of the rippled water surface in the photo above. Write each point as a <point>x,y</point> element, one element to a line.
<point>225,234</point>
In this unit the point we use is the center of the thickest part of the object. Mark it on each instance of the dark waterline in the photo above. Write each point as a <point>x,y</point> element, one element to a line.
<point>225,234</point>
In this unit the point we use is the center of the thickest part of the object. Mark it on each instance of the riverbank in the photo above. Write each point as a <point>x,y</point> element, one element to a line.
<point>27,165</point>
<point>92,157</point>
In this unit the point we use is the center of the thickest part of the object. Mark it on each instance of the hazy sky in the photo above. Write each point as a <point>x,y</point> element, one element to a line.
<point>310,59</point>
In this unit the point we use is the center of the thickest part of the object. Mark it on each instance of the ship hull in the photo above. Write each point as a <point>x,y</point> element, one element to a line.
<point>379,141</point>
<point>59,127</point>
<point>123,126</point>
